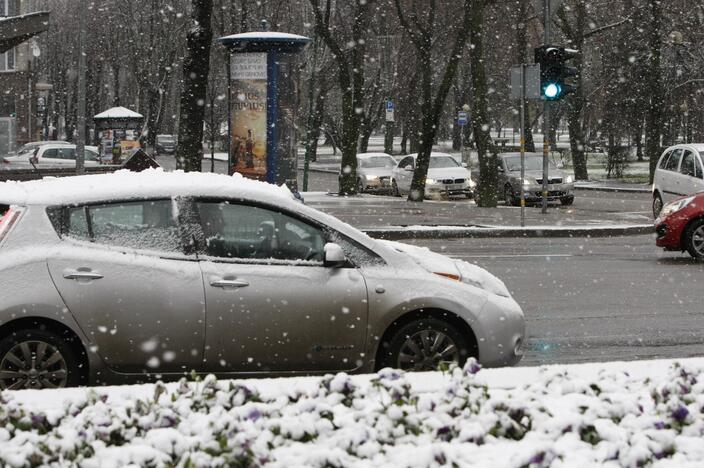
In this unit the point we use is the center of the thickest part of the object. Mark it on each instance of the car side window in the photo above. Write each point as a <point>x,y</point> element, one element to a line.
<point>247,232</point>
<point>66,153</point>
<point>407,161</point>
<point>674,161</point>
<point>687,167</point>
<point>698,168</point>
<point>146,225</point>
<point>663,161</point>
<point>50,153</point>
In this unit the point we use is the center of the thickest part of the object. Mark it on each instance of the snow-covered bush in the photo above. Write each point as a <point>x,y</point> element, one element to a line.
<point>559,419</point>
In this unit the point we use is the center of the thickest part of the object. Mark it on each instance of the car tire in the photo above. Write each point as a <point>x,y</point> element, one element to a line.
<point>360,187</point>
<point>657,205</point>
<point>567,201</point>
<point>509,196</point>
<point>58,366</point>
<point>693,239</point>
<point>404,349</point>
<point>394,188</point>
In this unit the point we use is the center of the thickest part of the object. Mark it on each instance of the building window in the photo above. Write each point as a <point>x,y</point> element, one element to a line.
<point>7,61</point>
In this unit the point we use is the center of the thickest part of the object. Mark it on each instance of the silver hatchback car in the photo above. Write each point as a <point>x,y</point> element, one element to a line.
<point>127,277</point>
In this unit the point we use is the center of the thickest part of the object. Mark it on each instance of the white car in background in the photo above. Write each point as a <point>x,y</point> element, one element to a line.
<point>445,176</point>
<point>374,172</point>
<point>51,156</point>
<point>30,148</point>
<point>679,173</point>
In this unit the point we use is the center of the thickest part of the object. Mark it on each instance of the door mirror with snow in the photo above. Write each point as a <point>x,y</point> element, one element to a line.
<point>334,256</point>
<point>408,168</point>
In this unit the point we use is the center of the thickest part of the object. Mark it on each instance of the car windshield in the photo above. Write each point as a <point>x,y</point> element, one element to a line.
<point>377,162</point>
<point>440,162</point>
<point>166,139</point>
<point>533,163</point>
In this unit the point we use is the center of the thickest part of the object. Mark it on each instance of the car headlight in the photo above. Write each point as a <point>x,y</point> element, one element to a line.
<point>430,181</point>
<point>529,181</point>
<point>569,179</point>
<point>675,206</point>
<point>372,177</point>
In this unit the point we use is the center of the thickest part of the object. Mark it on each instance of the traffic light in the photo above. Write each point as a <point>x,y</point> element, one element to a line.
<point>554,71</point>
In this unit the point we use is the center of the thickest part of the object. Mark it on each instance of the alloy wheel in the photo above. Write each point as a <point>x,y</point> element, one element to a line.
<point>508,196</point>
<point>427,350</point>
<point>33,365</point>
<point>697,241</point>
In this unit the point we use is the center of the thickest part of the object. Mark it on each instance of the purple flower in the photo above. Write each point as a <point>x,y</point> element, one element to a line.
<point>254,414</point>
<point>538,458</point>
<point>659,425</point>
<point>680,414</point>
<point>472,366</point>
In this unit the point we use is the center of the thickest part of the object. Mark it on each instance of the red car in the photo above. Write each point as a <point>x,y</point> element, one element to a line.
<point>680,226</point>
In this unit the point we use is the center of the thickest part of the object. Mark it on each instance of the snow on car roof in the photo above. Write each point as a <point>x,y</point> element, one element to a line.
<point>152,183</point>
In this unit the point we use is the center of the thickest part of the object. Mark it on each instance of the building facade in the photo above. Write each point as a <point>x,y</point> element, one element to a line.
<point>19,101</point>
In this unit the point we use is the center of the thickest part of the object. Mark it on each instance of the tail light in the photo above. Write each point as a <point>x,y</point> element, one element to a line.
<point>8,219</point>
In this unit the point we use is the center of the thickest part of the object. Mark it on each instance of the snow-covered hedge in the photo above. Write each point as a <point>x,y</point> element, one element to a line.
<point>560,418</point>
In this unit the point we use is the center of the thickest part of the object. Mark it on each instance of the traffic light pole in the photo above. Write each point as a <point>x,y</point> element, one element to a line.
<point>523,144</point>
<point>546,112</point>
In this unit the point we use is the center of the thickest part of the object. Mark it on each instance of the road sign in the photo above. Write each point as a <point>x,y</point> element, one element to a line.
<point>389,111</point>
<point>532,82</point>
<point>462,118</point>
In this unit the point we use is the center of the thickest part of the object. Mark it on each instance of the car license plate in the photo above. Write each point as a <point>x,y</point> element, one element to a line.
<point>453,187</point>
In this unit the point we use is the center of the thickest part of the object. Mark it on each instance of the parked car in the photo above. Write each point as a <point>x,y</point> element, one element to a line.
<point>445,176</point>
<point>374,172</point>
<point>120,277</point>
<point>165,144</point>
<point>29,148</point>
<point>560,184</point>
<point>679,173</point>
<point>680,226</point>
<point>52,157</point>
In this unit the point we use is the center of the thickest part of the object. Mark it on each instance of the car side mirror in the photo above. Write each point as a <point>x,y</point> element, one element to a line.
<point>408,168</point>
<point>334,256</point>
<point>500,168</point>
<point>464,165</point>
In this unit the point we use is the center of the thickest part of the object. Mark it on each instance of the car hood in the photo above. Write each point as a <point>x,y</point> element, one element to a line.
<point>553,173</point>
<point>448,267</point>
<point>448,173</point>
<point>376,171</point>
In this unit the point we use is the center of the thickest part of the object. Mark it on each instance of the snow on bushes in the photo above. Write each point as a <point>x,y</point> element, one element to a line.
<point>560,419</point>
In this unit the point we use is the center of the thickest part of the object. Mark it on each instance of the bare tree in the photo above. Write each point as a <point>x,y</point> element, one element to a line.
<point>418,19</point>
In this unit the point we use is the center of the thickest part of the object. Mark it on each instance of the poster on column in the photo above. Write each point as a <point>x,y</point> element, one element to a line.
<point>249,94</point>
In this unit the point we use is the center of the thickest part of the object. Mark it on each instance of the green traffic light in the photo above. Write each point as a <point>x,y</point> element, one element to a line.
<point>552,91</point>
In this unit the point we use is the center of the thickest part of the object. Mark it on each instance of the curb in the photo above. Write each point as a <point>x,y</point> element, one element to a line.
<point>455,232</point>
<point>602,188</point>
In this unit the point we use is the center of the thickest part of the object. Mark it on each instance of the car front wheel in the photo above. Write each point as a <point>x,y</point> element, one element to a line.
<point>694,239</point>
<point>35,359</point>
<point>426,344</point>
<point>657,205</point>
<point>509,197</point>
<point>566,201</point>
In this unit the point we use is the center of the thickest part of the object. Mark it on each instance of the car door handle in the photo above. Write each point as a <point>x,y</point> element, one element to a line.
<point>228,283</point>
<point>82,275</point>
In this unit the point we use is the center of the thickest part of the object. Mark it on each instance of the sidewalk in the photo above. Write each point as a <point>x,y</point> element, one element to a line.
<point>397,218</point>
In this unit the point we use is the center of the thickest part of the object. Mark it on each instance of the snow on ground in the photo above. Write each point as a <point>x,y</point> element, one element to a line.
<point>614,414</point>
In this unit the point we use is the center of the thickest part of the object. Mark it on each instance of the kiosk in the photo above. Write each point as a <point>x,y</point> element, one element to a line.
<point>118,131</point>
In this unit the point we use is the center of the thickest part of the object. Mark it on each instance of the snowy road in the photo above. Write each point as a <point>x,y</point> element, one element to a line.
<point>590,300</point>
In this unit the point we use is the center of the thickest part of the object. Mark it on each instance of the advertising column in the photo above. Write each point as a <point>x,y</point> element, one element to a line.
<point>249,115</point>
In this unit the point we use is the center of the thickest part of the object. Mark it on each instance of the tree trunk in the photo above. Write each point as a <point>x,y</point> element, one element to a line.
<point>189,152</point>
<point>488,173</point>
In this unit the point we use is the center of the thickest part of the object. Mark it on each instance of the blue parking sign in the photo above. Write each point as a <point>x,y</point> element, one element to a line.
<point>462,119</point>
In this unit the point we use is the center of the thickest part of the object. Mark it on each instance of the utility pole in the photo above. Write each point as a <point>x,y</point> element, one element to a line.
<point>81,112</point>
<point>546,111</point>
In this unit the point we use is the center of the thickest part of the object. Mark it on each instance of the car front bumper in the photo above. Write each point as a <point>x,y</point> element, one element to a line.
<point>449,189</point>
<point>501,336</point>
<point>555,192</point>
<point>668,231</point>
<point>378,184</point>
